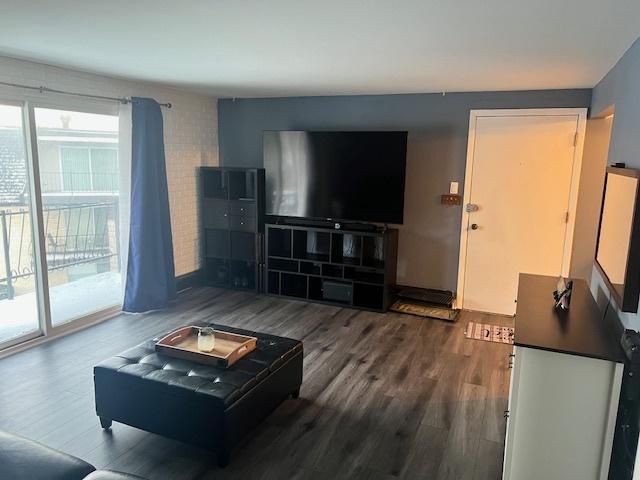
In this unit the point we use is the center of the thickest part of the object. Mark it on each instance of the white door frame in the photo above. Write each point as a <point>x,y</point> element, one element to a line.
<point>581,113</point>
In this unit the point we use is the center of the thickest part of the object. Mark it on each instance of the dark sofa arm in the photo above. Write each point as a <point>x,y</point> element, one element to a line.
<point>111,475</point>
<point>23,459</point>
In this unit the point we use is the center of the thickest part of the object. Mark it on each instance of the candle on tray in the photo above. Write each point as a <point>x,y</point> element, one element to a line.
<point>206,339</point>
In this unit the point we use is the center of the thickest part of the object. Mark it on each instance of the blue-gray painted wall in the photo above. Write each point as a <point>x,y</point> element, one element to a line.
<point>438,130</point>
<point>620,89</point>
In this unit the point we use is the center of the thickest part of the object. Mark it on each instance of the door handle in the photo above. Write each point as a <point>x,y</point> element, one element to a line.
<point>474,226</point>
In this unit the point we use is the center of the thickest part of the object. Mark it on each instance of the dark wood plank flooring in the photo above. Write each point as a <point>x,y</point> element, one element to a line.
<point>384,396</point>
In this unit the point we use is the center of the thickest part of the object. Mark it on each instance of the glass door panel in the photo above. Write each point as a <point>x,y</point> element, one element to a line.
<point>78,160</point>
<point>18,300</point>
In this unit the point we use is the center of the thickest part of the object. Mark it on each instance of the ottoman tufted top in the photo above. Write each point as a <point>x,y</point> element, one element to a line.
<point>224,386</point>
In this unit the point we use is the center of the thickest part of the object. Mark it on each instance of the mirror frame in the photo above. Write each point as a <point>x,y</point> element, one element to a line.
<point>628,301</point>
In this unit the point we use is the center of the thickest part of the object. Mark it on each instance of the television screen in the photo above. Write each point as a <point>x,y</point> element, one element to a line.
<point>357,176</point>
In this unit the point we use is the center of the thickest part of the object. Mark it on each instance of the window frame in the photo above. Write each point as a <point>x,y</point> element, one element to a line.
<point>90,149</point>
<point>29,102</point>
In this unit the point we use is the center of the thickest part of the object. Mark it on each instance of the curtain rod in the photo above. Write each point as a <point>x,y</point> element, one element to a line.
<point>43,89</point>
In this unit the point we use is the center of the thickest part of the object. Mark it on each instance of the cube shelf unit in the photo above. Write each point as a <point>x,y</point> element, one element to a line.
<point>339,267</point>
<point>233,227</point>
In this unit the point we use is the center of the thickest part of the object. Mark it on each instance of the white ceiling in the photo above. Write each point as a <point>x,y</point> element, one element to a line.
<point>249,48</point>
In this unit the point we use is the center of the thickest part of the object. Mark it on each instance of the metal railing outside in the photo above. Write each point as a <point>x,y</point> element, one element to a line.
<point>74,234</point>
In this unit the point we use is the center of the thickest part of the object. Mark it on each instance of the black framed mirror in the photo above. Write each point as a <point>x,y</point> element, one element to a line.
<point>618,246</point>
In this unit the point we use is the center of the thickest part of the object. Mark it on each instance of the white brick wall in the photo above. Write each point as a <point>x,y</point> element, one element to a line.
<point>190,135</point>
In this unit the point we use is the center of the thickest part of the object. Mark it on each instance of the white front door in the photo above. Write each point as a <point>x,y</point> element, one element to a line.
<point>518,189</point>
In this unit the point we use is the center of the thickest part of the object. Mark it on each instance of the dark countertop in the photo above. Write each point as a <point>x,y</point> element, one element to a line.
<point>580,330</point>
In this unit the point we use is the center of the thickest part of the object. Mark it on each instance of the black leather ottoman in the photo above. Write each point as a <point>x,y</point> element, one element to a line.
<point>194,403</point>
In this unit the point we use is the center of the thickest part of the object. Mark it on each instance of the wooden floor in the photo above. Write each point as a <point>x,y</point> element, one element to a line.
<point>384,396</point>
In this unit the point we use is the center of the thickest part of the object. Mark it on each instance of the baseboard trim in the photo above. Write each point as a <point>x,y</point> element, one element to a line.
<point>63,330</point>
<point>190,280</point>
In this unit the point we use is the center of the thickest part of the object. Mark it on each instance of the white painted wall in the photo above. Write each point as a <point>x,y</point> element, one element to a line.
<point>190,135</point>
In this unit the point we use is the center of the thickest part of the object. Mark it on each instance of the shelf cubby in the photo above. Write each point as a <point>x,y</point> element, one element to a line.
<point>346,248</point>
<point>217,272</point>
<point>279,242</point>
<point>364,275</point>
<point>242,185</point>
<point>368,296</point>
<point>214,184</point>
<point>243,246</point>
<point>242,274</point>
<point>273,283</point>
<point>315,289</point>
<point>293,285</point>
<point>311,245</point>
<point>311,268</point>
<point>329,270</point>
<point>283,265</point>
<point>216,243</point>
<point>345,268</point>
<point>373,252</point>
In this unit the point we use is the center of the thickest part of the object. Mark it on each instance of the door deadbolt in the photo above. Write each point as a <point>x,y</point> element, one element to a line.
<point>471,207</point>
<point>474,226</point>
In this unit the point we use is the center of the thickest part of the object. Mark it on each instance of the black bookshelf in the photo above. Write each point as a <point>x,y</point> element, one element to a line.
<point>232,208</point>
<point>339,267</point>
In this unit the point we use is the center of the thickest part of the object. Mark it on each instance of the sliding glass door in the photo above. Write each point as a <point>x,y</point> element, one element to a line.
<point>19,316</point>
<point>59,219</point>
<point>79,187</point>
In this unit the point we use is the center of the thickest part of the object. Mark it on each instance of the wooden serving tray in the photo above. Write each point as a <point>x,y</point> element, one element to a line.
<point>229,347</point>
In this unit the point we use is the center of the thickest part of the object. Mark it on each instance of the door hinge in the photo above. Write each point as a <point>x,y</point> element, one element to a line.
<point>566,217</point>
<point>575,139</point>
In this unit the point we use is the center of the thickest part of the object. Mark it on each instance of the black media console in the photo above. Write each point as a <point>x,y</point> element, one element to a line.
<point>340,267</point>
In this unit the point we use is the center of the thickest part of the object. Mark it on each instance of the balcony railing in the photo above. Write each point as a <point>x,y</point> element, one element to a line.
<point>74,234</point>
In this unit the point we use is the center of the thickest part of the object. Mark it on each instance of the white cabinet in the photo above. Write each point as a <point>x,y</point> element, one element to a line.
<point>561,416</point>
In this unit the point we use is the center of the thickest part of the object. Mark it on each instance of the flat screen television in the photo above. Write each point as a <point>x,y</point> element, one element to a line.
<point>348,176</point>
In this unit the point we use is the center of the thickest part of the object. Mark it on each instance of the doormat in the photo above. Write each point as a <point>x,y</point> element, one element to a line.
<point>489,333</point>
<point>421,310</point>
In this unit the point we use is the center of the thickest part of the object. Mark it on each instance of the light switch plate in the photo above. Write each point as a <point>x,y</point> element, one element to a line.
<point>453,189</point>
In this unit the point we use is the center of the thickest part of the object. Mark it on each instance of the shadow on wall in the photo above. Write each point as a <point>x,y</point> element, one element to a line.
<point>428,256</point>
<point>610,316</point>
<point>594,162</point>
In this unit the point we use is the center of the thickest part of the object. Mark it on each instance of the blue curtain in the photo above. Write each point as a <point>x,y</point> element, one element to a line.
<point>150,271</point>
